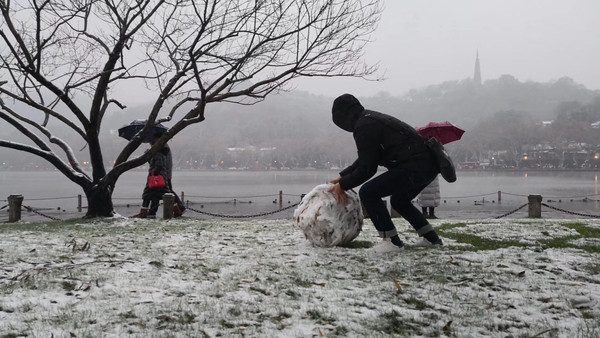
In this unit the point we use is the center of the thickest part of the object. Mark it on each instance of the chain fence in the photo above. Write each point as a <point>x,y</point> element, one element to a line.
<point>28,208</point>
<point>570,212</point>
<point>243,216</point>
<point>47,214</point>
<point>511,212</point>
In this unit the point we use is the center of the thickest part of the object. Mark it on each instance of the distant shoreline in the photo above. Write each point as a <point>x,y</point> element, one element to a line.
<point>337,170</point>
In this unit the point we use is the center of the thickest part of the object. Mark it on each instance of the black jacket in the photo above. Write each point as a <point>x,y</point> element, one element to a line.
<point>381,140</point>
<point>162,163</point>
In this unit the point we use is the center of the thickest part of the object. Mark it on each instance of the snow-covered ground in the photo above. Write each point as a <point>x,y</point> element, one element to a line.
<point>262,278</point>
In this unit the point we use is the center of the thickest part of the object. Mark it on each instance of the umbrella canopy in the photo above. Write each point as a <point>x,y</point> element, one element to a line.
<point>128,131</point>
<point>444,132</point>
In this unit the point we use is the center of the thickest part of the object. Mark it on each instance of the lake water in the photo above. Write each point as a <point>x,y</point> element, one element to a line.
<point>474,195</point>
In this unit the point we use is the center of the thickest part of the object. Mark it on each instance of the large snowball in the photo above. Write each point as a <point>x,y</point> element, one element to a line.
<point>326,223</point>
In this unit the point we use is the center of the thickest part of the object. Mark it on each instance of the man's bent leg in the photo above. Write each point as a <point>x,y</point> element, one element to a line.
<point>371,194</point>
<point>402,203</point>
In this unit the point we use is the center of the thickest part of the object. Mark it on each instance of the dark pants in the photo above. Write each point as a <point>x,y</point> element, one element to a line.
<point>403,186</point>
<point>151,198</point>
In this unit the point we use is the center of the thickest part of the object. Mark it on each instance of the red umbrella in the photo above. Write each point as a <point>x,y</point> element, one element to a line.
<point>445,132</point>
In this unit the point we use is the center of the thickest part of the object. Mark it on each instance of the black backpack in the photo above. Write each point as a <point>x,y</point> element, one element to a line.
<point>442,159</point>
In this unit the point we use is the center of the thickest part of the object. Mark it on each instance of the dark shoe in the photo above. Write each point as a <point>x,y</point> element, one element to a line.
<point>143,213</point>
<point>431,213</point>
<point>176,211</point>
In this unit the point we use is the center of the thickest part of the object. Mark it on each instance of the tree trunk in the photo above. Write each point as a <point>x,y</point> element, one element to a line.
<point>99,202</point>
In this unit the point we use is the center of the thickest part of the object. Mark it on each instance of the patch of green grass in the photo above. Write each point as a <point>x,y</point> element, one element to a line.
<point>393,323</point>
<point>302,283</point>
<point>416,303</point>
<point>593,269</point>
<point>54,226</point>
<point>183,318</point>
<point>583,230</point>
<point>280,317</point>
<point>564,243</point>
<point>68,286</point>
<point>449,226</point>
<point>234,311</point>
<point>260,290</point>
<point>340,331</point>
<point>127,315</point>
<point>224,323</point>
<point>357,245</point>
<point>292,294</point>
<point>559,243</point>
<point>156,264</point>
<point>587,314</point>
<point>59,226</point>
<point>477,243</point>
<point>532,222</point>
<point>12,335</point>
<point>319,317</point>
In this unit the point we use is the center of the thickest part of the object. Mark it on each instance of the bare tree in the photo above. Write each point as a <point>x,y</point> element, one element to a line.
<point>188,52</point>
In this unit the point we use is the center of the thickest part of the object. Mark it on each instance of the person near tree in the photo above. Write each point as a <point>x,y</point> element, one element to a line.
<point>429,199</point>
<point>159,164</point>
<point>383,140</point>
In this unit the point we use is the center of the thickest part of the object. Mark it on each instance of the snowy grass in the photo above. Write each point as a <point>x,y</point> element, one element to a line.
<point>261,278</point>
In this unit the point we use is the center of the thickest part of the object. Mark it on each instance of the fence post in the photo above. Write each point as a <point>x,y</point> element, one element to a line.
<point>168,203</point>
<point>535,206</point>
<point>280,199</point>
<point>14,207</point>
<point>499,196</point>
<point>79,203</point>
<point>182,196</point>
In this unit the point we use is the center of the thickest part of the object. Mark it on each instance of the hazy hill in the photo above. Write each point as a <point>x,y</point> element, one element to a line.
<point>299,123</point>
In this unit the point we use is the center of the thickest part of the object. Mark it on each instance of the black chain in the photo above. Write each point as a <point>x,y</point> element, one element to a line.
<point>296,204</point>
<point>39,213</point>
<point>511,212</point>
<point>570,212</point>
<point>244,216</point>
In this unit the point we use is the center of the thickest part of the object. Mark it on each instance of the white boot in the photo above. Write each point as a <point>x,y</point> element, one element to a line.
<point>427,244</point>
<point>385,246</point>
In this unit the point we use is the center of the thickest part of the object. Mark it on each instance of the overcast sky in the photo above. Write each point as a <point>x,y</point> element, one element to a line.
<point>424,42</point>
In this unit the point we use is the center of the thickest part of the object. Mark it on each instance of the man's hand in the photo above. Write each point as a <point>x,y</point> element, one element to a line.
<point>340,194</point>
<point>335,180</point>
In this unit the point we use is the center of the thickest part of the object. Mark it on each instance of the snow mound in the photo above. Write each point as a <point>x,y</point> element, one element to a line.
<point>326,223</point>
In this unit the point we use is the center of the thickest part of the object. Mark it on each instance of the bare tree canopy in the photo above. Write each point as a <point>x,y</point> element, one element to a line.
<point>185,51</point>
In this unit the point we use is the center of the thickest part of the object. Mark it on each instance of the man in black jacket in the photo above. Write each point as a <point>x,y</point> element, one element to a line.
<point>383,140</point>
